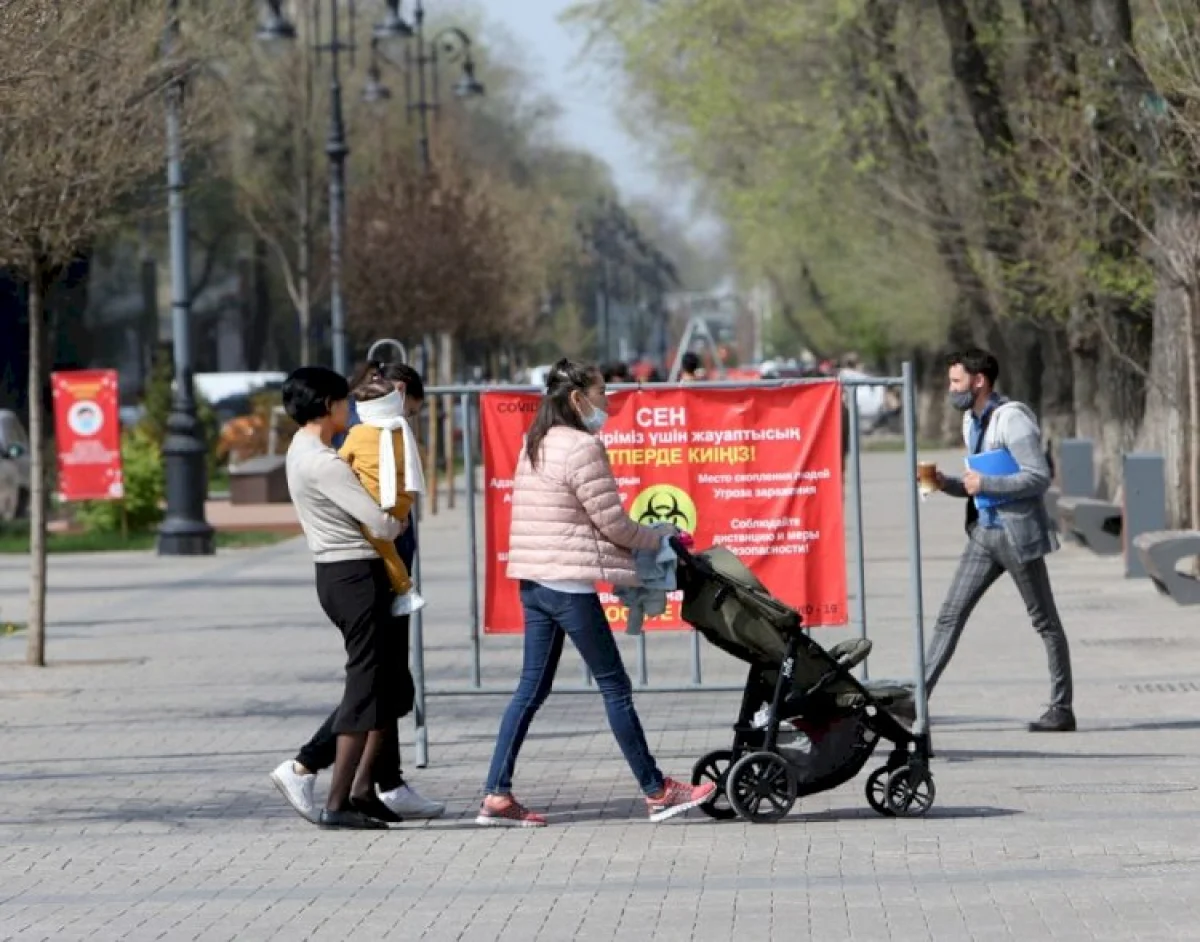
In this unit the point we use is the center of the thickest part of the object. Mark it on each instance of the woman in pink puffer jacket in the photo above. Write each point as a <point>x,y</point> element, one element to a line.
<point>569,531</point>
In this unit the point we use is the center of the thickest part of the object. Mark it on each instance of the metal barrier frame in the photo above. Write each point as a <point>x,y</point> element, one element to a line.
<point>464,394</point>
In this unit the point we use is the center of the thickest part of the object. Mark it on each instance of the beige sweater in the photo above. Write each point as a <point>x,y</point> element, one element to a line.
<point>331,503</point>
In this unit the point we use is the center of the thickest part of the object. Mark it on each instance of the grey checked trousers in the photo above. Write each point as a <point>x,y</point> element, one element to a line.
<point>989,555</point>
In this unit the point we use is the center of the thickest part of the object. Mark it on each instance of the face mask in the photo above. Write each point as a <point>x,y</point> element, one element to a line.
<point>594,420</point>
<point>962,401</point>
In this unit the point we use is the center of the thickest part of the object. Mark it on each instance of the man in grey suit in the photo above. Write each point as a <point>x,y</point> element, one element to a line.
<point>1011,535</point>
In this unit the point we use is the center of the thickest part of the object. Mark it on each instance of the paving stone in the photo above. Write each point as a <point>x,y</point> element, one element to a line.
<point>136,804</point>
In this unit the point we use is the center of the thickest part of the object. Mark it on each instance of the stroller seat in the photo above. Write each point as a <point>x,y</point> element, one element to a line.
<point>884,692</point>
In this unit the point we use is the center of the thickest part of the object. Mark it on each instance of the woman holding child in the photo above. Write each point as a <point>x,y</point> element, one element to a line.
<point>379,456</point>
<point>336,512</point>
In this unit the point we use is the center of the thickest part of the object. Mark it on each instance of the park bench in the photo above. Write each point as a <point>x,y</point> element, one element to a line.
<point>1094,523</point>
<point>1161,552</point>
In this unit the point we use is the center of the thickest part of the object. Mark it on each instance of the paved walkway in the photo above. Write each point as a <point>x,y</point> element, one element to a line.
<point>134,802</point>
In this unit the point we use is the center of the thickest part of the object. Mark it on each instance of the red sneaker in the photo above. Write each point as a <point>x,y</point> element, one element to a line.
<point>509,814</point>
<point>676,798</point>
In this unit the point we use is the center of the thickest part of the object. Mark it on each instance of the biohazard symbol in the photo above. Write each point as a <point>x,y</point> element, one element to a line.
<point>664,503</point>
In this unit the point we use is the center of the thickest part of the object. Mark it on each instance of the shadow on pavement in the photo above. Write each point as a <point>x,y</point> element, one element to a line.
<point>1006,755</point>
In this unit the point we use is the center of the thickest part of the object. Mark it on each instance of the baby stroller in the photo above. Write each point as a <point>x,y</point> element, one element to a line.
<point>806,724</point>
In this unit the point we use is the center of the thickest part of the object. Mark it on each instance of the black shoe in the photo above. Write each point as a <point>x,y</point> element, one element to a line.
<point>354,820</point>
<point>370,805</point>
<point>1054,720</point>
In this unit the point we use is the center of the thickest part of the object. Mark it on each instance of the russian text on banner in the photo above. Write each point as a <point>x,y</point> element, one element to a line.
<point>757,470</point>
<point>87,428</point>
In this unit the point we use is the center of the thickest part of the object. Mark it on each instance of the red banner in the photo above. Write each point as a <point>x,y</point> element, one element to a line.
<point>87,427</point>
<point>755,470</point>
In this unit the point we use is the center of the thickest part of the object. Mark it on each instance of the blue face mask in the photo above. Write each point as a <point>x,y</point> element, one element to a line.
<point>594,420</point>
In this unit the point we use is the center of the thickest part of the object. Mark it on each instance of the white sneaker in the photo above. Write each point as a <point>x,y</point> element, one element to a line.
<point>407,603</point>
<point>296,788</point>
<point>406,802</point>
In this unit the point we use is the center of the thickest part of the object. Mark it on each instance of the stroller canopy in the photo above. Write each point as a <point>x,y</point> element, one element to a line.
<point>725,601</point>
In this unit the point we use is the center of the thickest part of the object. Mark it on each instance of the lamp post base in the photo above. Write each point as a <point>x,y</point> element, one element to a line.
<point>185,532</point>
<point>186,538</point>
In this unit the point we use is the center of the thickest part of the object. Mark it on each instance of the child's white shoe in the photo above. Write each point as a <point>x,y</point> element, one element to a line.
<point>408,603</point>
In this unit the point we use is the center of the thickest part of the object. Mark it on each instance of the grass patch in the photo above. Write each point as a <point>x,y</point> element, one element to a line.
<point>218,482</point>
<point>11,542</point>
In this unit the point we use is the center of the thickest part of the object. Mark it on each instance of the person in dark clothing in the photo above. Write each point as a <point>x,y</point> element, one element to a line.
<point>297,778</point>
<point>617,373</point>
<point>690,368</point>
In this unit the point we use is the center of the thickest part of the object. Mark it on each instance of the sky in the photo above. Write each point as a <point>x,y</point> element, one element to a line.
<point>585,92</point>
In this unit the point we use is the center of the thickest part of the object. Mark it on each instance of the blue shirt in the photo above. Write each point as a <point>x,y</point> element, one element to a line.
<point>988,517</point>
<point>406,542</point>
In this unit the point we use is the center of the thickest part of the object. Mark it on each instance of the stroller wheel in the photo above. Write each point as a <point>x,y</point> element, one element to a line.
<point>910,792</point>
<point>713,768</point>
<point>761,787</point>
<point>877,791</point>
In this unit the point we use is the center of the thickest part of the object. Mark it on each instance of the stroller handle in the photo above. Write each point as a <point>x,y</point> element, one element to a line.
<point>681,551</point>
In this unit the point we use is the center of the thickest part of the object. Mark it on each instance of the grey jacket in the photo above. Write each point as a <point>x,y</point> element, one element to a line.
<point>1024,518</point>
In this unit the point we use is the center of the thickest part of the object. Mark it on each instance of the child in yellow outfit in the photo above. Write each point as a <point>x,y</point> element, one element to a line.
<point>382,451</point>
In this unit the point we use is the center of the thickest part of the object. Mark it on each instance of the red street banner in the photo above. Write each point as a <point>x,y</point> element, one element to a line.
<point>87,427</point>
<point>757,470</point>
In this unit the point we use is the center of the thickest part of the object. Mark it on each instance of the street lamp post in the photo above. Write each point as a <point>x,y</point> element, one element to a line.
<point>277,28</point>
<point>337,150</point>
<point>449,45</point>
<point>184,531</point>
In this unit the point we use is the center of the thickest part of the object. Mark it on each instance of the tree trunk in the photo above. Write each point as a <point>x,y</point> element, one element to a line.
<point>1193,364</point>
<point>1124,329</point>
<point>1120,391</point>
<point>260,308</point>
<point>975,317</point>
<point>304,289</point>
<point>1169,394</point>
<point>1083,343</point>
<point>1057,412</point>
<point>35,652</point>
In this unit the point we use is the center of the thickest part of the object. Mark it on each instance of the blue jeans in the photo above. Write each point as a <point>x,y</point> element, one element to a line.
<point>549,617</point>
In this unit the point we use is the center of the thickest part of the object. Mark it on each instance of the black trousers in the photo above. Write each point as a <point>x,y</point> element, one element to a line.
<point>318,753</point>
<point>357,597</point>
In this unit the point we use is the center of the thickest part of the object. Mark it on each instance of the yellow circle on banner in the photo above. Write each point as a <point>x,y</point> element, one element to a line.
<point>664,503</point>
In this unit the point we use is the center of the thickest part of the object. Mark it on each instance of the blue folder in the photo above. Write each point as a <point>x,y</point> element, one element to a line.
<point>998,463</point>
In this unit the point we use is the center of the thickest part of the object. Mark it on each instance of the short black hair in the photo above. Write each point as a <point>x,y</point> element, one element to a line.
<point>690,362</point>
<point>976,361</point>
<point>310,392</point>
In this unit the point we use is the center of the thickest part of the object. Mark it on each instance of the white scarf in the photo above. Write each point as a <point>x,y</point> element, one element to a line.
<point>387,415</point>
